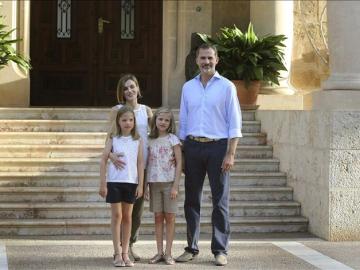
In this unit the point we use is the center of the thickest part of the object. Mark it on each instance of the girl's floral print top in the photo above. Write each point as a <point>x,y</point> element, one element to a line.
<point>160,167</point>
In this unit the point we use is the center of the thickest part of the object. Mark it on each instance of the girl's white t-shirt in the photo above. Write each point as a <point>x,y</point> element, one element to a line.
<point>130,149</point>
<point>160,167</point>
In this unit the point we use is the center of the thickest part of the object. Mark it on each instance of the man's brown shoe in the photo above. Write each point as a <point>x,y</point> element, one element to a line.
<point>185,257</point>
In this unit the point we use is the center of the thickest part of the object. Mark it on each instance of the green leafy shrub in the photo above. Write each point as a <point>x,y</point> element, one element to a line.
<point>244,56</point>
<point>7,52</point>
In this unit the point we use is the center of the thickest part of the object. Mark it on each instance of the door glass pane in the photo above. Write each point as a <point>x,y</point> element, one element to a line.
<point>127,19</point>
<point>63,18</point>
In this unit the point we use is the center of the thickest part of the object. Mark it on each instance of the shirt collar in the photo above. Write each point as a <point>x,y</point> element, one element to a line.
<point>216,75</point>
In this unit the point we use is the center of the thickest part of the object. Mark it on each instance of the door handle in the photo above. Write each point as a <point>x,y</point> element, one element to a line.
<point>101,22</point>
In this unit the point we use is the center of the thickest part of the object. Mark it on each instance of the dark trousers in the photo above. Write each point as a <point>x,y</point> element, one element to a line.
<point>202,158</point>
<point>138,209</point>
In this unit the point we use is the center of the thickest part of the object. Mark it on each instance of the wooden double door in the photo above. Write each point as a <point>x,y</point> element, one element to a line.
<point>98,41</point>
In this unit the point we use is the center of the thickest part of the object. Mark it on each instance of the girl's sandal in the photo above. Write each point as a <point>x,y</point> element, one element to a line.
<point>169,260</point>
<point>118,261</point>
<point>157,258</point>
<point>127,262</point>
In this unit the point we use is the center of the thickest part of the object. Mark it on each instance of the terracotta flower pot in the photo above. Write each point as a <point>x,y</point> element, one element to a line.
<point>247,93</point>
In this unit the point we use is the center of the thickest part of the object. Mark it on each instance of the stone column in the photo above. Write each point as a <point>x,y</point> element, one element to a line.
<point>275,17</point>
<point>344,58</point>
<point>338,106</point>
<point>344,44</point>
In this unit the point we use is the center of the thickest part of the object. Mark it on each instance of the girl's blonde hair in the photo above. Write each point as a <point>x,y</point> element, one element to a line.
<point>121,84</point>
<point>124,109</point>
<point>154,132</point>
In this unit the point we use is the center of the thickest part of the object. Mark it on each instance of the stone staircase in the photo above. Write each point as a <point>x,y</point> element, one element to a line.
<point>49,174</point>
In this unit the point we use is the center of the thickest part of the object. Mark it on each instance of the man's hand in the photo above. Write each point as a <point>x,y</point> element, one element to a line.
<point>228,162</point>
<point>116,159</point>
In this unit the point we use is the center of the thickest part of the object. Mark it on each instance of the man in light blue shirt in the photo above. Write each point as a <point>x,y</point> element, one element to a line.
<point>210,127</point>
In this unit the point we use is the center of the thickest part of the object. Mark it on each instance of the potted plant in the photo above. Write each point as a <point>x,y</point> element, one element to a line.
<point>248,60</point>
<point>7,52</point>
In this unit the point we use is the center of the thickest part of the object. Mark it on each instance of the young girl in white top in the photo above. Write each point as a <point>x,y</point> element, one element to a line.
<point>163,178</point>
<point>122,187</point>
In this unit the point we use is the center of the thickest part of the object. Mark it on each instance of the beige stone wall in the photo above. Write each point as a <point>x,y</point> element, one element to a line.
<point>14,83</point>
<point>229,12</point>
<point>307,68</point>
<point>320,152</point>
<point>181,18</point>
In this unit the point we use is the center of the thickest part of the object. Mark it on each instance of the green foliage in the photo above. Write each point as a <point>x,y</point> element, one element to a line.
<point>7,52</point>
<point>244,56</point>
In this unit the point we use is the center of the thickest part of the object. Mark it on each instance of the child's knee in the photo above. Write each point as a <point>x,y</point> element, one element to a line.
<point>126,218</point>
<point>117,216</point>
<point>169,217</point>
<point>159,217</point>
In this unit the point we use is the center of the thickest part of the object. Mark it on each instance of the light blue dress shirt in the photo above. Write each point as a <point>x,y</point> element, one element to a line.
<point>212,111</point>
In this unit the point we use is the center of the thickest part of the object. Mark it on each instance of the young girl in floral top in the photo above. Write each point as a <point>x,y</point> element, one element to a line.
<point>163,178</point>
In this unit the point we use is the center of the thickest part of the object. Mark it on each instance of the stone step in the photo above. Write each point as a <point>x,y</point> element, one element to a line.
<point>92,164</point>
<point>79,138</point>
<point>34,125</point>
<point>49,175</point>
<point>90,194</point>
<point>91,179</point>
<point>54,125</point>
<point>256,165</point>
<point>55,151</point>
<point>102,225</point>
<point>251,139</point>
<point>258,178</point>
<point>48,113</point>
<point>50,210</point>
<point>93,150</point>
<point>45,138</point>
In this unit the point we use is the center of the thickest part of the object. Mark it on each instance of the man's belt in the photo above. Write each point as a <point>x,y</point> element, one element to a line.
<point>202,139</point>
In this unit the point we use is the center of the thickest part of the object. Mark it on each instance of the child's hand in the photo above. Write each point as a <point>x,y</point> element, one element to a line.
<point>103,191</point>
<point>173,161</point>
<point>173,193</point>
<point>139,192</point>
<point>147,193</point>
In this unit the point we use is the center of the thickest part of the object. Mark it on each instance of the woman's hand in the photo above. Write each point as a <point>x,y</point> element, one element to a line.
<point>116,159</point>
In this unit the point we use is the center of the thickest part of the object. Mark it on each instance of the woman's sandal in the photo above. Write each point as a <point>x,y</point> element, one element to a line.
<point>127,262</point>
<point>157,258</point>
<point>169,260</point>
<point>119,261</point>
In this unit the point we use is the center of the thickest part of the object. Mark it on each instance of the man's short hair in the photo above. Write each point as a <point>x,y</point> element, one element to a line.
<point>206,46</point>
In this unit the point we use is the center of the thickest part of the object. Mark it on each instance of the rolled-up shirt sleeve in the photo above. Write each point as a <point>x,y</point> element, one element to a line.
<point>233,114</point>
<point>182,117</point>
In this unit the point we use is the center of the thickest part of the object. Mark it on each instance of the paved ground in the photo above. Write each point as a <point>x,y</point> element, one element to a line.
<point>247,251</point>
